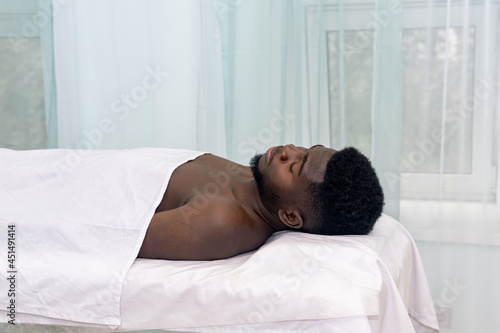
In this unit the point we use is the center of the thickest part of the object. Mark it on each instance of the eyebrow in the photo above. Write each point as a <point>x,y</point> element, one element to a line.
<point>305,158</point>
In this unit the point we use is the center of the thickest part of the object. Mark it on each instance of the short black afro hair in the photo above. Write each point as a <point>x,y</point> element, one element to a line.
<point>350,199</point>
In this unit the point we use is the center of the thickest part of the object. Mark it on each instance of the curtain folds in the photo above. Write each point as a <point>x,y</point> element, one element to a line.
<point>387,101</point>
<point>45,10</point>
<point>412,84</point>
<point>135,74</point>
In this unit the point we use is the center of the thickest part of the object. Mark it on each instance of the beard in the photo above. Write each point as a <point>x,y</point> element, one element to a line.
<point>266,193</point>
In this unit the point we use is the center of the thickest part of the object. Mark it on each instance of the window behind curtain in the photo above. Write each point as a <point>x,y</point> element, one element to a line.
<point>22,111</point>
<point>448,187</point>
<point>422,112</point>
<point>429,50</point>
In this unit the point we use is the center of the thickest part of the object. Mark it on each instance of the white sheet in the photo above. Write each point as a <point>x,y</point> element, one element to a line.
<point>80,218</point>
<point>203,297</point>
<point>294,276</point>
<point>295,280</point>
<point>154,288</point>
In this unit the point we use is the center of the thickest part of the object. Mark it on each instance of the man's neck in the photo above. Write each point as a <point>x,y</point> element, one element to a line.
<point>247,194</point>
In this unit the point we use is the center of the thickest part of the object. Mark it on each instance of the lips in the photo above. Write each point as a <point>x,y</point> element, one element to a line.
<point>273,151</point>
<point>269,153</point>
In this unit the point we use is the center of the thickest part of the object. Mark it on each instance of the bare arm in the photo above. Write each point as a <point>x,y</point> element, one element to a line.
<point>219,230</point>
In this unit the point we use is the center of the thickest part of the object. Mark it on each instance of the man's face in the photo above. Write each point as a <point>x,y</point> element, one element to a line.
<point>284,173</point>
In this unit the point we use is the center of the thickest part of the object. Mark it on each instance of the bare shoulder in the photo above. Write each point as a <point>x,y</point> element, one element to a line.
<point>219,229</point>
<point>226,228</point>
<point>228,213</point>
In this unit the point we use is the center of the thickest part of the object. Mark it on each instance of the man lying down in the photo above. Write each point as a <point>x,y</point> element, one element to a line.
<point>214,208</point>
<point>79,219</point>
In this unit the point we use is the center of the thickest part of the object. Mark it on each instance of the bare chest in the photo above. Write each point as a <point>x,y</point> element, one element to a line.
<point>206,178</point>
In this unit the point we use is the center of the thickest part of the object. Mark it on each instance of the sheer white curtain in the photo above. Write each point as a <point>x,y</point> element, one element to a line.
<point>134,74</point>
<point>449,160</point>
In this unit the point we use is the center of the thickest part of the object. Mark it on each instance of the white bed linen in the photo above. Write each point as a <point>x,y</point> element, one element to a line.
<point>292,277</point>
<point>80,218</point>
<point>403,304</point>
<point>155,292</point>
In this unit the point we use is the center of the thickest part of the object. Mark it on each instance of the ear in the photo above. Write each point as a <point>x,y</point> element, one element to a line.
<point>291,218</point>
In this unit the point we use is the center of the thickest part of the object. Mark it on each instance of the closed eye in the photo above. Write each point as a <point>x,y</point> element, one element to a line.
<point>303,162</point>
<point>304,159</point>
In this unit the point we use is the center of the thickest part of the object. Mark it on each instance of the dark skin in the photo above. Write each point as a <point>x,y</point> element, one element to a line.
<point>212,208</point>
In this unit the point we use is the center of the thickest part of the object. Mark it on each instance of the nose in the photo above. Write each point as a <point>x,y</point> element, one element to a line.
<point>290,152</point>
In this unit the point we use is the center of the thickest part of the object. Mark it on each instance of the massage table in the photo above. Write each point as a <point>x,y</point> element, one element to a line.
<point>295,282</point>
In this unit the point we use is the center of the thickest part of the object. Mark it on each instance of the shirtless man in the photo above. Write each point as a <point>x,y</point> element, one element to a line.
<point>214,208</point>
